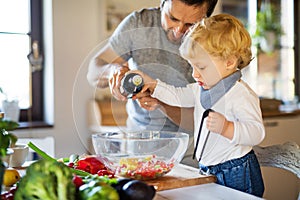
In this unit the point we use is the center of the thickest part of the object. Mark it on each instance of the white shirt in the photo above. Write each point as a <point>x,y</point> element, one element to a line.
<point>239,105</point>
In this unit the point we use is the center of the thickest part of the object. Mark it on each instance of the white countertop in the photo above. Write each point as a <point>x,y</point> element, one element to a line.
<point>209,191</point>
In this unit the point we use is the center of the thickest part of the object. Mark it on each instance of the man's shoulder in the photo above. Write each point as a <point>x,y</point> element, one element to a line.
<point>147,11</point>
<point>148,17</point>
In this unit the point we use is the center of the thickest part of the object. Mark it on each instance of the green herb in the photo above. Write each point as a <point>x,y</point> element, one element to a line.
<point>7,139</point>
<point>45,156</point>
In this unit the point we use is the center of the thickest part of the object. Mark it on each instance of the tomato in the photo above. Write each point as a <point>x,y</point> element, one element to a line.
<point>9,195</point>
<point>77,181</point>
<point>90,164</point>
<point>71,164</point>
<point>106,172</point>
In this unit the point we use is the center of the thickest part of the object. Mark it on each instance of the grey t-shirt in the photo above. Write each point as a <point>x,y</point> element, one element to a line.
<point>141,40</point>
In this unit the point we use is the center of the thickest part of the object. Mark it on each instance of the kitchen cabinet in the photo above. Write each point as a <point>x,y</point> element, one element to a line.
<point>113,112</point>
<point>281,129</point>
<point>281,184</point>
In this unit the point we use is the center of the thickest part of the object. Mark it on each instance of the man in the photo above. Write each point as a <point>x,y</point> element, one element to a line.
<point>149,40</point>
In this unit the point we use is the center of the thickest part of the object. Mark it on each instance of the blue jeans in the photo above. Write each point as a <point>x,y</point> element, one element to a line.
<point>242,174</point>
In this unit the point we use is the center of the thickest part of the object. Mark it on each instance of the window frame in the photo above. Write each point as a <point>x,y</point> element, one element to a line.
<point>34,115</point>
<point>297,47</point>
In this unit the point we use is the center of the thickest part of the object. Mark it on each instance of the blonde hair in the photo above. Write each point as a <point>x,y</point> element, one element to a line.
<point>221,36</point>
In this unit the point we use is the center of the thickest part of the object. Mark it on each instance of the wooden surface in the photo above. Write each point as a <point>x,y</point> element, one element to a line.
<point>181,176</point>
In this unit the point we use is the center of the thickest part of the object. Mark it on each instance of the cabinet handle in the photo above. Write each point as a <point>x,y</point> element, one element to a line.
<point>271,124</point>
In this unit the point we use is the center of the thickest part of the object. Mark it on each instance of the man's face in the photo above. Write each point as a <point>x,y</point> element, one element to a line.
<point>178,17</point>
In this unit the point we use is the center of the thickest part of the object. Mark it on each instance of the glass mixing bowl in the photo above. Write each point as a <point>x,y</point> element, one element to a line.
<point>140,155</point>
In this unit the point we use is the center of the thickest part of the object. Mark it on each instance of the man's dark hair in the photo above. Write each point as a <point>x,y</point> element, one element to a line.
<point>211,4</point>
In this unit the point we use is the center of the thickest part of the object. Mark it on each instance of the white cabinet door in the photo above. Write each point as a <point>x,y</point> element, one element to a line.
<point>281,130</point>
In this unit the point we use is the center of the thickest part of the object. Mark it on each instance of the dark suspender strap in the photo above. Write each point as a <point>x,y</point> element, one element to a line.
<point>204,115</point>
<point>204,146</point>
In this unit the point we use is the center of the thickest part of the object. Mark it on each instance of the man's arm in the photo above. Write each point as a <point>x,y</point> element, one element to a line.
<point>106,69</point>
<point>183,117</point>
<point>102,66</point>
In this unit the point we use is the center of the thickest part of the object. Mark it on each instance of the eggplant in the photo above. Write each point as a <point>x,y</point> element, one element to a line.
<point>138,190</point>
<point>130,189</point>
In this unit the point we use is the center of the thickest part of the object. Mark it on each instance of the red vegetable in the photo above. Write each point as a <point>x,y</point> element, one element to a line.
<point>9,195</point>
<point>90,164</point>
<point>106,172</point>
<point>71,165</point>
<point>77,181</point>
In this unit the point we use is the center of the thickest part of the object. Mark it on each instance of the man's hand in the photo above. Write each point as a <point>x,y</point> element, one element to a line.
<point>115,80</point>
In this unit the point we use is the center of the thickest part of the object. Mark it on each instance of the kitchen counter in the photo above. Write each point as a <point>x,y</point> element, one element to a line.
<point>193,186</point>
<point>211,191</point>
<point>114,112</point>
<point>185,182</point>
<point>202,191</point>
<point>278,113</point>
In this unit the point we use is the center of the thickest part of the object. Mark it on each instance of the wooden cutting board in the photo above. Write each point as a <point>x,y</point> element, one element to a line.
<point>181,176</point>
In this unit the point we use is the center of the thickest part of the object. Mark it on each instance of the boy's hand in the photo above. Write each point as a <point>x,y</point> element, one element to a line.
<point>217,123</point>
<point>149,83</point>
<point>146,101</point>
<point>144,96</point>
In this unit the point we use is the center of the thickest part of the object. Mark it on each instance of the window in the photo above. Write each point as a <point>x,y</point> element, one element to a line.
<point>273,72</point>
<point>19,78</point>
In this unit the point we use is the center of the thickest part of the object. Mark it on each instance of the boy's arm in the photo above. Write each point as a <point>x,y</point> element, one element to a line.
<point>174,96</point>
<point>168,94</point>
<point>176,103</point>
<point>181,116</point>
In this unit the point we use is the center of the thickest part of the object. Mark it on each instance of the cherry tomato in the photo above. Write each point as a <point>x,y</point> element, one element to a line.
<point>71,164</point>
<point>77,181</point>
<point>106,172</point>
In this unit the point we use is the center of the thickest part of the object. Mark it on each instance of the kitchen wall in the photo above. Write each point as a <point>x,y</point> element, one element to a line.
<point>77,29</point>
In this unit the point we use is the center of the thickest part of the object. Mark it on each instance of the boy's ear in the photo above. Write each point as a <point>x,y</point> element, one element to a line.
<point>231,62</point>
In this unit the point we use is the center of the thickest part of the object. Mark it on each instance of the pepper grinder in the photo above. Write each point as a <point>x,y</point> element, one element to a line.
<point>131,84</point>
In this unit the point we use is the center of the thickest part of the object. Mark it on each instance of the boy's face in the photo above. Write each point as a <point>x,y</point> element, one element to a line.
<point>208,70</point>
<point>177,18</point>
